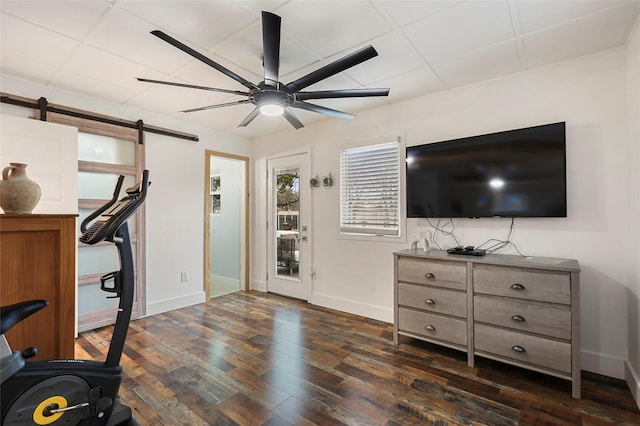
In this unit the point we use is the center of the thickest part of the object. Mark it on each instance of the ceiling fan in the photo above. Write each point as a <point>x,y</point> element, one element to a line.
<point>270,96</point>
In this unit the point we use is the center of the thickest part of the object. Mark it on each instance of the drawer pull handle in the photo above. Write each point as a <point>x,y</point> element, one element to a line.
<point>430,276</point>
<point>519,349</point>
<point>518,318</point>
<point>430,302</point>
<point>430,327</point>
<point>517,286</point>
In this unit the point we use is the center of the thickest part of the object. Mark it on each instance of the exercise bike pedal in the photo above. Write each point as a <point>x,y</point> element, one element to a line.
<point>30,352</point>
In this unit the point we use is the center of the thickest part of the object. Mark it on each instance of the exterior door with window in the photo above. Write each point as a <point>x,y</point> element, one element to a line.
<point>288,253</point>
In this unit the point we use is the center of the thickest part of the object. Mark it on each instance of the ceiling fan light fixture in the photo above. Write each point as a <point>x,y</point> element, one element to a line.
<point>271,109</point>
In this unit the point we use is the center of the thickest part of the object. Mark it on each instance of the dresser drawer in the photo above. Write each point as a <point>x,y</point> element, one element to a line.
<point>442,274</point>
<point>540,319</point>
<point>523,284</point>
<point>522,347</point>
<point>434,326</point>
<point>433,299</point>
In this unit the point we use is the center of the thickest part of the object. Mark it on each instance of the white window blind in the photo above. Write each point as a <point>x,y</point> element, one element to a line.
<point>370,190</point>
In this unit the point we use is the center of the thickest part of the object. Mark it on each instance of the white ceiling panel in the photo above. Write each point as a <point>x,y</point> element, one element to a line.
<point>77,21</point>
<point>202,23</point>
<point>26,68</point>
<point>579,37</point>
<point>404,12</point>
<point>399,58</point>
<point>34,43</point>
<point>416,83</point>
<point>495,61</point>
<point>462,29</point>
<point>107,68</point>
<point>128,36</point>
<point>91,86</point>
<point>536,15</point>
<point>99,47</point>
<point>330,27</point>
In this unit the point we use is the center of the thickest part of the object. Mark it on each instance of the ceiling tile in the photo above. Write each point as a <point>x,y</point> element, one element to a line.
<point>22,67</point>
<point>107,68</point>
<point>91,86</point>
<point>416,83</point>
<point>327,28</point>
<point>485,64</point>
<point>76,21</point>
<point>172,100</point>
<point>460,30</point>
<point>536,15</point>
<point>33,43</point>
<point>203,23</point>
<point>395,57</point>
<point>245,50</point>
<point>128,36</point>
<point>406,11</point>
<point>581,36</point>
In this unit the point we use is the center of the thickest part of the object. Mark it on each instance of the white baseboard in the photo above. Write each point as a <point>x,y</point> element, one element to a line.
<point>632,378</point>
<point>259,285</point>
<point>175,303</point>
<point>353,307</point>
<point>225,281</point>
<point>602,364</point>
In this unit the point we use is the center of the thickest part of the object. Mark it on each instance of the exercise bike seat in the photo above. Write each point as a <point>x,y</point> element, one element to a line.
<point>10,315</point>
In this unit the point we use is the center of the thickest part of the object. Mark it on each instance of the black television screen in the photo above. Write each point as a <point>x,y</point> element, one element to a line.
<point>516,173</point>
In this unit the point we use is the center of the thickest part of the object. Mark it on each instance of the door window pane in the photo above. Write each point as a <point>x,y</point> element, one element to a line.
<point>100,186</point>
<point>106,149</point>
<point>287,190</point>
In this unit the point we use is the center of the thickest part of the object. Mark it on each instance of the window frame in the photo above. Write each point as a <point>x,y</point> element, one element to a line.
<point>401,236</point>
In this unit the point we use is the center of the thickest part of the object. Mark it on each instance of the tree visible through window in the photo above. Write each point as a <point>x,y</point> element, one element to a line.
<point>370,190</point>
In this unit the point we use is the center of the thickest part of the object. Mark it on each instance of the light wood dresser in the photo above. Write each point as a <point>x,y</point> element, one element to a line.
<point>519,310</point>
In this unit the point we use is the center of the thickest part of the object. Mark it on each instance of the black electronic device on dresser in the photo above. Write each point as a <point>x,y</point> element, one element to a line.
<point>467,251</point>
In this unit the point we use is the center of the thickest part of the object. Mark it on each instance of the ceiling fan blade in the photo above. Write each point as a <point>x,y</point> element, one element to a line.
<point>291,118</point>
<point>244,101</point>
<point>323,110</point>
<point>350,93</point>
<point>333,68</point>
<point>249,118</point>
<point>191,86</point>
<point>271,47</point>
<point>172,41</point>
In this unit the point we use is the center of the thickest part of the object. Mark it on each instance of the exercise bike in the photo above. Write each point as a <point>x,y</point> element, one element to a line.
<point>76,392</point>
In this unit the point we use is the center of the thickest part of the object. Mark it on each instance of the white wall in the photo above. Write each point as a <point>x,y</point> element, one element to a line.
<point>175,205</point>
<point>590,95</point>
<point>633,295</point>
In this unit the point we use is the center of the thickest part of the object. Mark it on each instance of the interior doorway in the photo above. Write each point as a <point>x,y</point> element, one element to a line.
<point>226,236</point>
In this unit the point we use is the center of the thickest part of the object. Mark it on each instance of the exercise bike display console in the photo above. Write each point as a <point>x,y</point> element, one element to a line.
<point>76,392</point>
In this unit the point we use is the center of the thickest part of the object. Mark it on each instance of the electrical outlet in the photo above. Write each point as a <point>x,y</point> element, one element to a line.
<point>184,277</point>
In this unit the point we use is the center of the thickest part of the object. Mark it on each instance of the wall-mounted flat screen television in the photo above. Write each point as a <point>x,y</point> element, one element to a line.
<point>516,173</point>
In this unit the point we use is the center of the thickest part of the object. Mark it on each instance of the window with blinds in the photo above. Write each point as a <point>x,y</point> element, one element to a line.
<point>370,190</point>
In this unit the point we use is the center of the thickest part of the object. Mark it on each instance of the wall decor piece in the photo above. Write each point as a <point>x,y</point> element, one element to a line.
<point>18,193</point>
<point>215,195</point>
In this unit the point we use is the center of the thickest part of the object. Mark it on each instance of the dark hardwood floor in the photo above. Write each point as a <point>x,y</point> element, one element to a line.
<point>261,359</point>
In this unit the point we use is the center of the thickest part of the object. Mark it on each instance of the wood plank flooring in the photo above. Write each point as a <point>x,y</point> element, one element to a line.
<point>261,359</point>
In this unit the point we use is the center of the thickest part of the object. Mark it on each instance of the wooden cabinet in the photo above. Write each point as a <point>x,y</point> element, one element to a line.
<point>38,261</point>
<point>517,310</point>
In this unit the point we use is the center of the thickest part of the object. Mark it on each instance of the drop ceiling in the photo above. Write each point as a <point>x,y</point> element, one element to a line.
<point>98,48</point>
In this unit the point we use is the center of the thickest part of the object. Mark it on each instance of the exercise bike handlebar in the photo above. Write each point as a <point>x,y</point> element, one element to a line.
<point>85,223</point>
<point>114,213</point>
